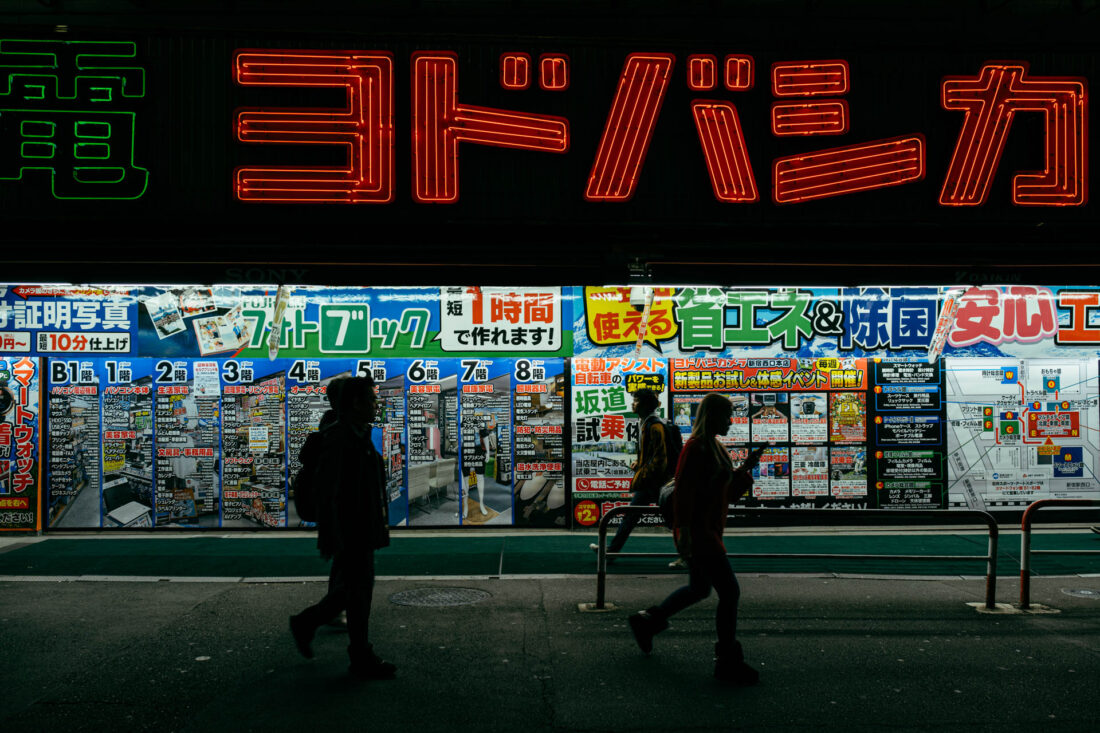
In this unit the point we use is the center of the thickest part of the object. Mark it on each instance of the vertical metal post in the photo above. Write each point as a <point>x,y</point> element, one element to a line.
<point>601,565</point>
<point>991,568</point>
<point>1025,559</point>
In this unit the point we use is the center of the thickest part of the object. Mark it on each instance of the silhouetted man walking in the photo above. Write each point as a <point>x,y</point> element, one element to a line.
<point>353,522</point>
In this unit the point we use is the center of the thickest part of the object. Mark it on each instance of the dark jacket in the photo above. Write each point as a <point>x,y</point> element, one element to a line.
<point>652,471</point>
<point>353,512</point>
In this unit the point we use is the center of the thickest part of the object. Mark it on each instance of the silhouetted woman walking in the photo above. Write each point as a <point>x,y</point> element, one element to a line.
<point>706,483</point>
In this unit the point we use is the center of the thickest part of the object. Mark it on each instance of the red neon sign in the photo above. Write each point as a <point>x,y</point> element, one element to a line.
<point>739,73</point>
<point>848,169</point>
<point>811,118</point>
<point>364,126</point>
<point>629,127</point>
<point>809,78</point>
<point>702,73</point>
<point>725,152</point>
<point>554,72</point>
<point>440,123</point>
<point>515,70</point>
<point>991,100</point>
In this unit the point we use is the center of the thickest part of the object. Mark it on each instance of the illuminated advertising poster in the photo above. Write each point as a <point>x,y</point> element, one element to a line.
<point>784,403</point>
<point>809,421</point>
<point>254,429</point>
<point>848,472</point>
<point>352,322</point>
<point>307,384</point>
<point>908,429</point>
<point>605,430</point>
<point>738,374</point>
<point>909,412</point>
<point>389,430</point>
<point>485,419</point>
<point>127,431</point>
<point>1020,430</point>
<point>613,316</point>
<point>772,477</point>
<point>19,443</point>
<point>740,426</point>
<point>823,322</point>
<point>432,434</point>
<point>187,416</point>
<point>809,471</point>
<point>73,440</point>
<point>538,409</point>
<point>492,319</point>
<point>770,416</point>
<point>909,479</point>
<point>907,386</point>
<point>847,417</point>
<point>686,406</point>
<point>67,321</point>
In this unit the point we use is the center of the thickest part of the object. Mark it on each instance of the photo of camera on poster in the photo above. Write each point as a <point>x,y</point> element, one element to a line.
<point>770,416</point>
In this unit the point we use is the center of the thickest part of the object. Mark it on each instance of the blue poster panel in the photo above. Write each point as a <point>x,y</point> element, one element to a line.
<point>253,449</point>
<point>73,476</point>
<point>187,406</point>
<point>486,437</point>
<point>20,384</point>
<point>127,438</point>
<point>432,442</point>
<point>541,493</point>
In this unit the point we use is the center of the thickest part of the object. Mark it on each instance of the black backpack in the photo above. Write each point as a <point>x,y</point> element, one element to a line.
<point>304,486</point>
<point>674,443</point>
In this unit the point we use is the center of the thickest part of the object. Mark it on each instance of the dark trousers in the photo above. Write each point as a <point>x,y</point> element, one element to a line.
<point>706,572</point>
<point>351,589</point>
<point>637,498</point>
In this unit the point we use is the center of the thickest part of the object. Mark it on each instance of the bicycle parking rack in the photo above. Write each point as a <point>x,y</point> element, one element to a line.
<point>987,518</point>
<point>1025,543</point>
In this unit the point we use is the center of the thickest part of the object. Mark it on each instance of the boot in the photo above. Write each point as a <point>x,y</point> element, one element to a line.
<point>729,665</point>
<point>367,665</point>
<point>645,626</point>
<point>303,635</point>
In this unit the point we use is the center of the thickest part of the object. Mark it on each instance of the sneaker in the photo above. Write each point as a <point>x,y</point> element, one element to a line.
<point>645,626</point>
<point>678,564</point>
<point>596,549</point>
<point>302,637</point>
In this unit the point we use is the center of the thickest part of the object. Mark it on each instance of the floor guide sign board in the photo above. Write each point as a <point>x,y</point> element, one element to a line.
<point>187,406</point>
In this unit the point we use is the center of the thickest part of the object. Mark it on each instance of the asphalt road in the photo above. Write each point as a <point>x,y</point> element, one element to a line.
<point>834,654</point>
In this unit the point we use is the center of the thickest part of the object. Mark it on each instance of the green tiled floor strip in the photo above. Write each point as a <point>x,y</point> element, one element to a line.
<point>530,554</point>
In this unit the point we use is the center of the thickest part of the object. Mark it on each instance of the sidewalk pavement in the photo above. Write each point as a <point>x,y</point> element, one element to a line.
<point>835,653</point>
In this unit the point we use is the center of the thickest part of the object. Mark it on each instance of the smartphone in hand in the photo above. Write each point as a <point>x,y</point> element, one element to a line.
<point>753,459</point>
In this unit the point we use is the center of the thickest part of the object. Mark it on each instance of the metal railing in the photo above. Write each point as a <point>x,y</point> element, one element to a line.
<point>1025,542</point>
<point>987,518</point>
